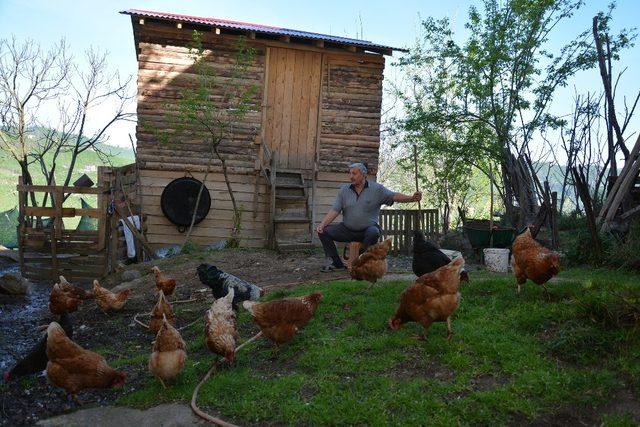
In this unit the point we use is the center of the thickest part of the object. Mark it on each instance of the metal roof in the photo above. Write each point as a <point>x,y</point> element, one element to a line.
<point>258,28</point>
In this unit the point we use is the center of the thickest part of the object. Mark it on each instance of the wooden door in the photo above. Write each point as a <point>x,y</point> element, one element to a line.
<point>292,98</point>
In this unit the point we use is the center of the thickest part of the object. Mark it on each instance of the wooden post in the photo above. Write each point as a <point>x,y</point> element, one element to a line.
<point>22,202</point>
<point>491,206</point>
<point>274,177</point>
<point>415,167</point>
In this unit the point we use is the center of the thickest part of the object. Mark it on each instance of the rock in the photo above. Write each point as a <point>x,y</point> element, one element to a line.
<point>217,246</point>
<point>14,284</point>
<point>168,251</point>
<point>129,275</point>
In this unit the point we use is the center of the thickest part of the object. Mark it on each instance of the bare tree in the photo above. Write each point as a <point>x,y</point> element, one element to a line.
<point>28,78</point>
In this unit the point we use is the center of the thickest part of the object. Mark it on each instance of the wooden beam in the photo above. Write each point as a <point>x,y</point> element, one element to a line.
<point>252,35</point>
<point>351,48</point>
<point>285,39</point>
<point>319,43</point>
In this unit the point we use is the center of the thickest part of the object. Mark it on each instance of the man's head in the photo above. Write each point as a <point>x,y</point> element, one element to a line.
<point>357,173</point>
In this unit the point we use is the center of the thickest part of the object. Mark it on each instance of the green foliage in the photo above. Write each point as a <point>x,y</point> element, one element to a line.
<point>190,248</point>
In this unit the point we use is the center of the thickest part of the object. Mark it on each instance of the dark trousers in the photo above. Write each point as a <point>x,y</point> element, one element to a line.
<point>340,233</point>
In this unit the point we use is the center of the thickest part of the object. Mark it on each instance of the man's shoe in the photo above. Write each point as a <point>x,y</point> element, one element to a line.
<point>332,267</point>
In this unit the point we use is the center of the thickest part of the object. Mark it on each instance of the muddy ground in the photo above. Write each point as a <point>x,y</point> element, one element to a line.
<point>30,399</point>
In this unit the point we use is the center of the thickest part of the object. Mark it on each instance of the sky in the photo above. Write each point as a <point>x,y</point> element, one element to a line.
<point>98,24</point>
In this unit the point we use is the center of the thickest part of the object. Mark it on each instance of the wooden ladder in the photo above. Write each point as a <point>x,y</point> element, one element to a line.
<point>291,213</point>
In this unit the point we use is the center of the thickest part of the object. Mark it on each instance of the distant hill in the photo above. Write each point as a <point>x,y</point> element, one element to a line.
<point>87,162</point>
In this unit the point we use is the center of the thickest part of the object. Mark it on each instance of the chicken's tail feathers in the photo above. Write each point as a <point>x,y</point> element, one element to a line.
<point>55,328</point>
<point>63,280</point>
<point>230,293</point>
<point>249,305</point>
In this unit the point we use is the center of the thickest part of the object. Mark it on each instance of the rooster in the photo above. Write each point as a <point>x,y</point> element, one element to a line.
<point>75,291</point>
<point>162,310</point>
<point>220,327</point>
<point>372,264</point>
<point>74,368</point>
<point>533,261</point>
<point>433,297</point>
<point>107,300</point>
<point>164,284</point>
<point>61,302</point>
<point>168,355</point>
<point>427,257</point>
<point>279,320</point>
<point>220,282</point>
<point>36,359</point>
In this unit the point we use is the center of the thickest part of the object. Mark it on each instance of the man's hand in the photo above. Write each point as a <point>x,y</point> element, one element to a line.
<point>320,228</point>
<point>417,196</point>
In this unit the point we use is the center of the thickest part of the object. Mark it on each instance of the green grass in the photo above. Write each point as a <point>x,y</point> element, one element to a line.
<point>511,357</point>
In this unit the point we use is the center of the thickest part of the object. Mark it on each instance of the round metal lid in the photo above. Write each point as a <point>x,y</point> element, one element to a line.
<point>179,198</point>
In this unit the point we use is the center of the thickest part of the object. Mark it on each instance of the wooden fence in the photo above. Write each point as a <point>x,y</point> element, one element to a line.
<point>47,249</point>
<point>400,223</point>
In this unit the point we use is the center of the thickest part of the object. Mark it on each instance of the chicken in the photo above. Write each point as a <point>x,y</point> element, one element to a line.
<point>61,302</point>
<point>75,291</point>
<point>372,264</point>
<point>169,353</point>
<point>427,257</point>
<point>220,327</point>
<point>36,359</point>
<point>533,261</point>
<point>107,300</point>
<point>433,297</point>
<point>220,282</point>
<point>279,320</point>
<point>161,310</point>
<point>74,368</point>
<point>164,284</point>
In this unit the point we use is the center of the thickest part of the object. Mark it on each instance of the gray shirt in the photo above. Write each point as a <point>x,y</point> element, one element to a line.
<point>362,211</point>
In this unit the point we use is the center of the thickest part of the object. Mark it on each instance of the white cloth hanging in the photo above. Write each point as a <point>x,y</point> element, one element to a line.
<point>128,235</point>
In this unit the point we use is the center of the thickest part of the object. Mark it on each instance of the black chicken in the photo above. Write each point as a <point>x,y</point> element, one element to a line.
<point>427,257</point>
<point>220,281</point>
<point>36,359</point>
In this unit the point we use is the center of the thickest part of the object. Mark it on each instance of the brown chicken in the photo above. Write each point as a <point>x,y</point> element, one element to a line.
<point>433,297</point>
<point>280,319</point>
<point>533,261</point>
<point>61,302</point>
<point>164,284</point>
<point>75,291</point>
<point>372,264</point>
<point>107,300</point>
<point>74,368</point>
<point>168,355</point>
<point>161,310</point>
<point>220,327</point>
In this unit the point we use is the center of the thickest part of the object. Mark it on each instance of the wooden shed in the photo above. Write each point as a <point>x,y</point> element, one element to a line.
<point>316,110</point>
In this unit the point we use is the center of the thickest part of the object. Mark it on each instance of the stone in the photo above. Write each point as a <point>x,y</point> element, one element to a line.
<point>129,275</point>
<point>14,284</point>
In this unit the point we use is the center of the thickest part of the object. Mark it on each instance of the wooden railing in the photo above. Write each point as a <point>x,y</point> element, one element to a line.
<point>400,223</point>
<point>45,252</point>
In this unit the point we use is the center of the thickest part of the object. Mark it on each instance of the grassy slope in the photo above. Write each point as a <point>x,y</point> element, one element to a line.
<point>87,163</point>
<point>512,358</point>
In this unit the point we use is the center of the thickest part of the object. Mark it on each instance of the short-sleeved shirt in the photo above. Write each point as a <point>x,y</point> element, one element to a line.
<point>363,210</point>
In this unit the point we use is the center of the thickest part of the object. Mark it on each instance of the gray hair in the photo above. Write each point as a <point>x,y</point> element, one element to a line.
<point>360,166</point>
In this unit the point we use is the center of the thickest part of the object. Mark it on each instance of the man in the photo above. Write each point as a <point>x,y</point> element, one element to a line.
<point>359,203</point>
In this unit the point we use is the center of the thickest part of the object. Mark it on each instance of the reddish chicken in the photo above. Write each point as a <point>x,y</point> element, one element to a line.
<point>75,291</point>
<point>433,297</point>
<point>372,264</point>
<point>161,311</point>
<point>74,368</point>
<point>533,261</point>
<point>164,284</point>
<point>220,327</point>
<point>61,302</point>
<point>279,320</point>
<point>168,355</point>
<point>107,300</point>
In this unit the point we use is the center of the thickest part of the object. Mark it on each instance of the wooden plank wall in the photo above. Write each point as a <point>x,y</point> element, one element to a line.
<point>347,128</point>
